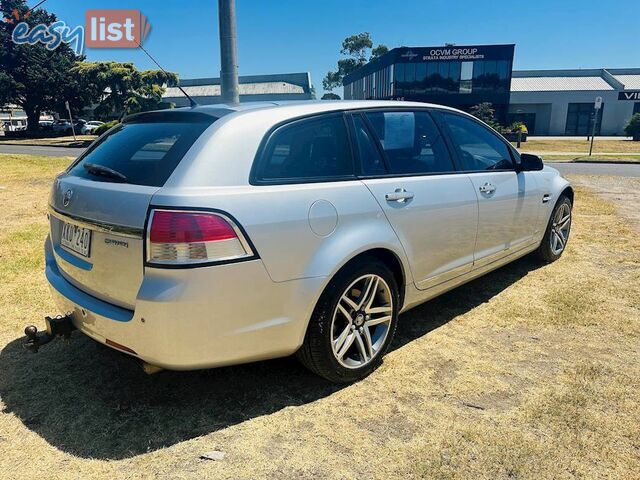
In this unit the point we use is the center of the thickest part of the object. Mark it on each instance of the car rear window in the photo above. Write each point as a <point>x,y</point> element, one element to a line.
<point>144,150</point>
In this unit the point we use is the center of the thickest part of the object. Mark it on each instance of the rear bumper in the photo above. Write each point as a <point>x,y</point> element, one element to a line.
<point>197,318</point>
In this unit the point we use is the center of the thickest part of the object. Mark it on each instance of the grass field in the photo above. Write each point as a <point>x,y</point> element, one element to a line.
<point>529,372</point>
<point>594,158</point>
<point>580,146</point>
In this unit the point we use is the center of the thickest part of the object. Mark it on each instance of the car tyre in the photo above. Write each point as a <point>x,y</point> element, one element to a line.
<point>556,236</point>
<point>350,318</point>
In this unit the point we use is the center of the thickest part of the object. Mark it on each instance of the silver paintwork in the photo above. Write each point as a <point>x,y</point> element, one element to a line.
<point>443,230</point>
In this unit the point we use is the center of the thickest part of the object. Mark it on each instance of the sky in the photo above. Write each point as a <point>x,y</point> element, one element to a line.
<point>300,36</point>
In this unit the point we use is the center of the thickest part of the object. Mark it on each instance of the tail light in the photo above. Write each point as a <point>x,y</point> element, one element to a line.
<point>177,237</point>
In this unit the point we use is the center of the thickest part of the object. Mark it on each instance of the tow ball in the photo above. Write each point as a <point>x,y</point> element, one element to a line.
<point>60,326</point>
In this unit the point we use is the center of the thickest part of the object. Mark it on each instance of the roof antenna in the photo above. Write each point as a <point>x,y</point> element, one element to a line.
<point>191,100</point>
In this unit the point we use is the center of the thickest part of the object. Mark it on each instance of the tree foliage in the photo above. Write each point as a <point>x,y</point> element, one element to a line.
<point>632,128</point>
<point>39,80</point>
<point>120,88</point>
<point>357,51</point>
<point>484,111</point>
<point>330,96</point>
<point>32,77</point>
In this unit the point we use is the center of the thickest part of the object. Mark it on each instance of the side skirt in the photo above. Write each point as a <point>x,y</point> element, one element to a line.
<point>415,297</point>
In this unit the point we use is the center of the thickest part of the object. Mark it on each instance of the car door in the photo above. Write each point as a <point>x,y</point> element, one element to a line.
<point>508,201</point>
<point>405,163</point>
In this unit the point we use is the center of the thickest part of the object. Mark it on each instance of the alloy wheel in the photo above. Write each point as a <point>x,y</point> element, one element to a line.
<point>560,229</point>
<point>361,321</point>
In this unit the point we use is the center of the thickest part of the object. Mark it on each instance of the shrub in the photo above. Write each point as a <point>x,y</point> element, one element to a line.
<point>103,128</point>
<point>633,127</point>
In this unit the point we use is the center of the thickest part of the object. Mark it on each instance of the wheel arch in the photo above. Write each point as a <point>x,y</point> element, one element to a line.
<point>568,192</point>
<point>388,257</point>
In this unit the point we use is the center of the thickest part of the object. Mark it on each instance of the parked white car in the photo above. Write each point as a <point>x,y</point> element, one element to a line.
<point>194,238</point>
<point>90,126</point>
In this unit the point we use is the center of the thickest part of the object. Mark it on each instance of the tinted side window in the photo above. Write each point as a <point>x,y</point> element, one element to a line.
<point>478,147</point>
<point>309,149</point>
<point>411,141</point>
<point>370,159</point>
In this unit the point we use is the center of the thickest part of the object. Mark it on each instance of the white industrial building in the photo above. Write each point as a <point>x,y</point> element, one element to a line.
<point>561,102</point>
<point>274,87</point>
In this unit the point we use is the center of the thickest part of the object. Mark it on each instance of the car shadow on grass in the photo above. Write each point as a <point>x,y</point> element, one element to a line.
<point>93,402</point>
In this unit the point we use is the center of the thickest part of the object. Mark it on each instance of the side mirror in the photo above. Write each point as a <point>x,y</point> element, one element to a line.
<point>530,162</point>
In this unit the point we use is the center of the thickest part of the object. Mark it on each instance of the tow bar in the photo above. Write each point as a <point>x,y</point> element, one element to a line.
<point>60,326</point>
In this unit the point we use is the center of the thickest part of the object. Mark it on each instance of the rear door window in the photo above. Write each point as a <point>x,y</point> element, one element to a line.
<point>312,150</point>
<point>411,142</point>
<point>144,151</point>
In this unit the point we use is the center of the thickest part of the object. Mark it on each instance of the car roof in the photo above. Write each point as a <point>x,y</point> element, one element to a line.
<point>309,106</point>
<point>301,107</point>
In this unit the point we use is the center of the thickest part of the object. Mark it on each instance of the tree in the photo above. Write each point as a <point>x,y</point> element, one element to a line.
<point>32,77</point>
<point>358,50</point>
<point>120,88</point>
<point>330,96</point>
<point>483,111</point>
<point>633,127</point>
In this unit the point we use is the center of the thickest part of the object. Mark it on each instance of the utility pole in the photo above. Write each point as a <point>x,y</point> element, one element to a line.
<point>228,51</point>
<point>596,108</point>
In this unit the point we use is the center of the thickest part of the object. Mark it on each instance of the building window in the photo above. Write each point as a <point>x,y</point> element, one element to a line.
<point>466,76</point>
<point>580,118</point>
<point>636,108</point>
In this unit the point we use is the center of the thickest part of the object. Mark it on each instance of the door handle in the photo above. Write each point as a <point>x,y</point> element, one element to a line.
<point>487,188</point>
<point>399,195</point>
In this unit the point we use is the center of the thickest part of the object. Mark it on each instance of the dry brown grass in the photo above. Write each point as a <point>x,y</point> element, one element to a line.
<point>581,146</point>
<point>530,372</point>
<point>594,158</point>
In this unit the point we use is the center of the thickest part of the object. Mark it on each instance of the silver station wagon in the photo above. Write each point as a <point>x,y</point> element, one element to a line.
<point>208,236</point>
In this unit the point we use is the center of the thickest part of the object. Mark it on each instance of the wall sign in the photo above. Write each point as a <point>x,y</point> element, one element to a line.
<point>452,53</point>
<point>629,95</point>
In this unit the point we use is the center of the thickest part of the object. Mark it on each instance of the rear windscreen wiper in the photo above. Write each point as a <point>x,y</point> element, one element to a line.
<point>101,170</point>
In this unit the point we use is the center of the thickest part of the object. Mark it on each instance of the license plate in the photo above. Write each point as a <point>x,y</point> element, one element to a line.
<point>76,238</point>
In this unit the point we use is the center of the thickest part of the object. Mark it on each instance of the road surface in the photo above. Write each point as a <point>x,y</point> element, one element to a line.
<point>624,170</point>
<point>46,151</point>
<point>618,169</point>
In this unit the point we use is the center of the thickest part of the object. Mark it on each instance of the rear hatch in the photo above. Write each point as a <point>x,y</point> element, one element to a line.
<point>98,207</point>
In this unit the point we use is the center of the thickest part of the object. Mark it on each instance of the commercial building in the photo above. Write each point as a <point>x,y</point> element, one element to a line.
<point>549,102</point>
<point>561,102</point>
<point>458,76</point>
<point>205,91</point>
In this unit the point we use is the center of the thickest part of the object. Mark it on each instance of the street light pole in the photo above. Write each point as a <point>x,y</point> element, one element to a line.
<point>230,92</point>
